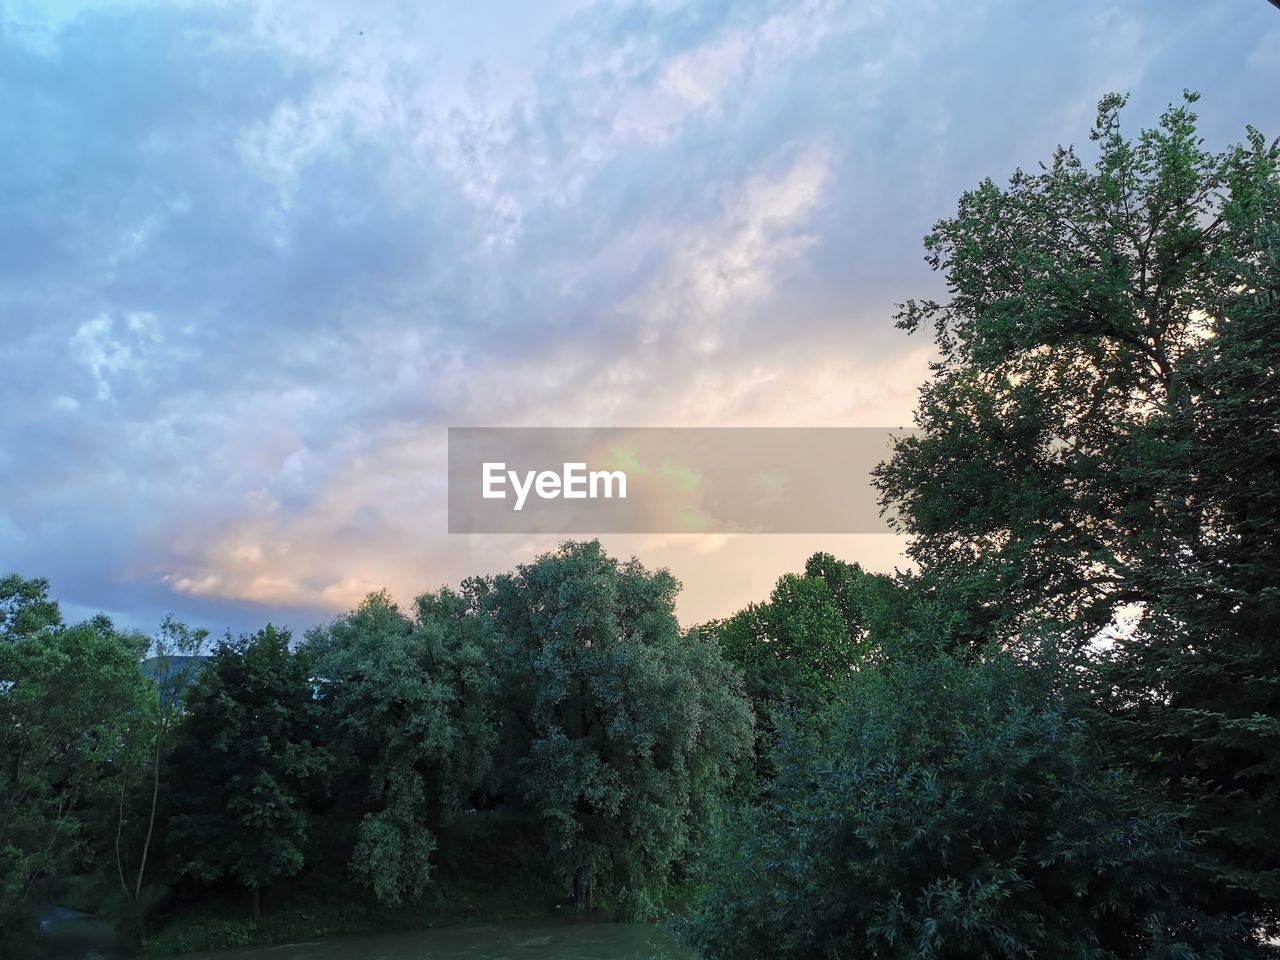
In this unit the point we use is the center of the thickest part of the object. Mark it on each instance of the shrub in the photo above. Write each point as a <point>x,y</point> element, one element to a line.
<point>953,811</point>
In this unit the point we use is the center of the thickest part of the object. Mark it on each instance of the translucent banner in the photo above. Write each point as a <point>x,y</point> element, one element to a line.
<point>586,480</point>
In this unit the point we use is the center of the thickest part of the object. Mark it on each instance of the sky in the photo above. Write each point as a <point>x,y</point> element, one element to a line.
<point>257,257</point>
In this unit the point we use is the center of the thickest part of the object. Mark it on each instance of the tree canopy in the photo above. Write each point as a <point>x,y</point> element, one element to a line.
<point>246,763</point>
<point>407,702</point>
<point>68,695</point>
<point>621,731</point>
<point>951,810</point>
<point>1098,451</point>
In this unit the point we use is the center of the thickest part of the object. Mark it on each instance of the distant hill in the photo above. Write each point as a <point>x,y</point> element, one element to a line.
<point>158,668</point>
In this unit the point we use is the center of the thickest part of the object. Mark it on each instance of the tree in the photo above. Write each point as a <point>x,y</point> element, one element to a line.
<point>620,733</point>
<point>870,603</point>
<point>245,762</point>
<point>409,706</point>
<point>793,650</point>
<point>67,694</point>
<point>25,607</point>
<point>1076,299</point>
<point>952,810</point>
<point>1097,445</point>
<point>798,648</point>
<point>1194,689</point>
<point>138,769</point>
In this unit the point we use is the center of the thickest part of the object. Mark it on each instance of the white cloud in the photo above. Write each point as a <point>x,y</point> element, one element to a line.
<point>717,269</point>
<point>111,348</point>
<point>704,76</point>
<point>299,243</point>
<point>93,345</point>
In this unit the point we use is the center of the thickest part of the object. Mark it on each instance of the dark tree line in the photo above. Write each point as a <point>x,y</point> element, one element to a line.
<point>562,695</point>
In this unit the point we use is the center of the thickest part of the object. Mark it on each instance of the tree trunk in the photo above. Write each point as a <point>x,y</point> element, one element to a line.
<point>257,903</point>
<point>579,891</point>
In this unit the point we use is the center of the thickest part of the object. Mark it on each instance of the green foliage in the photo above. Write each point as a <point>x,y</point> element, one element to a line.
<point>870,603</point>
<point>138,782</point>
<point>619,732</point>
<point>25,607</point>
<point>245,762</point>
<point>1078,297</point>
<point>67,696</point>
<point>801,645</point>
<point>792,650</point>
<point>408,703</point>
<point>1195,689</point>
<point>491,867</point>
<point>206,933</point>
<point>1099,440</point>
<point>953,811</point>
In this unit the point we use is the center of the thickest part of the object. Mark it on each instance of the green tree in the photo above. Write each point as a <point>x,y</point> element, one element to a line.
<point>25,607</point>
<point>409,707</point>
<point>1195,687</point>
<point>953,810</point>
<point>1097,442</point>
<point>620,733</point>
<point>799,647</point>
<point>67,696</point>
<point>871,603</point>
<point>138,769</point>
<point>245,762</point>
<point>793,650</point>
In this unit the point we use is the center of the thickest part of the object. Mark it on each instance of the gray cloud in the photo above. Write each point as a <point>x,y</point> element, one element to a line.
<point>257,256</point>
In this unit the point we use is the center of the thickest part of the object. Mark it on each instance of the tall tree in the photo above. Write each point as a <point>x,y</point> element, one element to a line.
<point>1195,688</point>
<point>409,708</point>
<point>1097,442</point>
<point>798,648</point>
<point>139,769</point>
<point>25,607</point>
<point>245,762</point>
<point>621,733</point>
<point>67,697</point>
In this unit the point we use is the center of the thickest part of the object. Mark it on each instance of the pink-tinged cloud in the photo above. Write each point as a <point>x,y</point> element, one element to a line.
<point>257,257</point>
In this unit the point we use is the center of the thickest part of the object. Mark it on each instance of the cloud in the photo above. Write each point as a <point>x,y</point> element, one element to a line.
<point>265,253</point>
<point>718,268</point>
<point>109,353</point>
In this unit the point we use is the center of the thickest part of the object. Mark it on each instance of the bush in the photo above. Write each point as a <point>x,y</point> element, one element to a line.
<point>953,811</point>
<point>204,933</point>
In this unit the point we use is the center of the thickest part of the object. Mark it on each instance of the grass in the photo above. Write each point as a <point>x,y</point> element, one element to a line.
<point>304,915</point>
<point>476,882</point>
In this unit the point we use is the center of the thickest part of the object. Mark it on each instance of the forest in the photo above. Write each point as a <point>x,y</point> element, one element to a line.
<point>1057,734</point>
